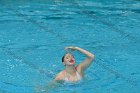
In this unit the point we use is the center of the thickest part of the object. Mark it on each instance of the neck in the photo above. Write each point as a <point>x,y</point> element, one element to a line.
<point>70,69</point>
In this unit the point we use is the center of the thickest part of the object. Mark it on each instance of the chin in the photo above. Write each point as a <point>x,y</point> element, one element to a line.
<point>71,64</point>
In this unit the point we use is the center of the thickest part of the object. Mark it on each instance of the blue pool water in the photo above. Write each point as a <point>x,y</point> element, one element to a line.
<point>33,34</point>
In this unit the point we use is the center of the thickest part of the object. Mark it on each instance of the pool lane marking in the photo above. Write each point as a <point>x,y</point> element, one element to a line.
<point>103,21</point>
<point>122,33</point>
<point>130,81</point>
<point>41,26</point>
<point>116,73</point>
<point>11,53</point>
<point>21,60</point>
<point>31,65</point>
<point>44,28</point>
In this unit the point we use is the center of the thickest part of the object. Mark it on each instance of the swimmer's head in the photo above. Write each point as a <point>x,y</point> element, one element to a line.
<point>68,59</point>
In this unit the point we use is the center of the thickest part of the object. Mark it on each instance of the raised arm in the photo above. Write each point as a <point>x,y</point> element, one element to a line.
<point>88,60</point>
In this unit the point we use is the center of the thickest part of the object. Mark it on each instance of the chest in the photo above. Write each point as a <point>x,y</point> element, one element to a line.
<point>73,78</point>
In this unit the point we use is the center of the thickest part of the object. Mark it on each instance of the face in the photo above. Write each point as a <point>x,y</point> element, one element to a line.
<point>69,59</point>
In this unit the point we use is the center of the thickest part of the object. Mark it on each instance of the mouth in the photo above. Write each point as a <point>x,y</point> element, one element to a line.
<point>71,61</point>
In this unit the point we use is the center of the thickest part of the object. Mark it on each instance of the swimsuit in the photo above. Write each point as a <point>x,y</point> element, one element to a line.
<point>77,74</point>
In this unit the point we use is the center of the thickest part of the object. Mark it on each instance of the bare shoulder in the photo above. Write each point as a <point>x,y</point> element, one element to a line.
<point>60,75</point>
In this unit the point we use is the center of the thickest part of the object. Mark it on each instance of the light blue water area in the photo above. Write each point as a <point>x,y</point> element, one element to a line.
<point>33,34</point>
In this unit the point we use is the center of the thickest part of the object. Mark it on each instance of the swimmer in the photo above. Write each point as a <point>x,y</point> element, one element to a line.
<point>73,73</point>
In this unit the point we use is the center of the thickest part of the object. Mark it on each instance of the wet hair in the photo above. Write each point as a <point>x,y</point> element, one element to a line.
<point>63,57</point>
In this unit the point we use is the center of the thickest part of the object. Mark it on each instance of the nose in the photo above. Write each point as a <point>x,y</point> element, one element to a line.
<point>72,58</point>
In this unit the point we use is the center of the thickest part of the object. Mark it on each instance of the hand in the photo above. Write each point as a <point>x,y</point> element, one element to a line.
<point>70,48</point>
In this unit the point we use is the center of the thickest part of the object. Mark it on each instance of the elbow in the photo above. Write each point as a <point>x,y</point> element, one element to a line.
<point>91,57</point>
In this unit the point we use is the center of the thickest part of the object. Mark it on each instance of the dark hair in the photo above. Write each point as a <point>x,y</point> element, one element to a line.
<point>63,58</point>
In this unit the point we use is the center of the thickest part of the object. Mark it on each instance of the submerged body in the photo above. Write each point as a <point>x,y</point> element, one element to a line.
<point>71,73</point>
